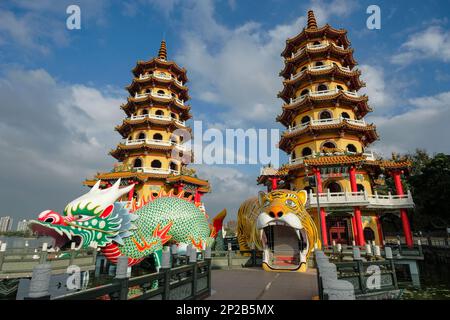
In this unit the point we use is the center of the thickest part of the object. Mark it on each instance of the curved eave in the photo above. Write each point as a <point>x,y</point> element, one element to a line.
<point>328,51</point>
<point>172,66</point>
<point>326,31</point>
<point>189,179</point>
<point>125,128</point>
<point>290,86</point>
<point>290,110</point>
<point>369,131</point>
<point>122,149</point>
<point>138,84</point>
<point>132,104</point>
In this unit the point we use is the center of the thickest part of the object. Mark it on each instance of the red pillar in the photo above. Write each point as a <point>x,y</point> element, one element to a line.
<point>357,211</point>
<point>180,188</point>
<point>380,231</point>
<point>197,196</point>
<point>131,192</point>
<point>274,183</point>
<point>403,213</point>
<point>323,226</point>
<point>355,230</point>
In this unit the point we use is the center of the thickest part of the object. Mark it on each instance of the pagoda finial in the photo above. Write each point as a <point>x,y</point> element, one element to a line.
<point>162,54</point>
<point>312,23</point>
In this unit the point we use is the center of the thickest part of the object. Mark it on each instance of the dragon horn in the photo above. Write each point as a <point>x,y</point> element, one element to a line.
<point>96,186</point>
<point>170,194</point>
<point>181,194</point>
<point>116,184</point>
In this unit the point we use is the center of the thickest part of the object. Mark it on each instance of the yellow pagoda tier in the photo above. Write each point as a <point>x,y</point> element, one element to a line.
<point>327,140</point>
<point>155,109</point>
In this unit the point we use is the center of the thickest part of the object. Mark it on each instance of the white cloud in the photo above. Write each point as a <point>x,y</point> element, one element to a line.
<point>424,125</point>
<point>53,136</point>
<point>380,95</point>
<point>432,43</point>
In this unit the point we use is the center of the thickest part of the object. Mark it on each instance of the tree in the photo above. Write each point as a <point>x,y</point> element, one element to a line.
<point>430,185</point>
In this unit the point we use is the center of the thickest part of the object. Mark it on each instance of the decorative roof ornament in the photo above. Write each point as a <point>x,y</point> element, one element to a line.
<point>312,23</point>
<point>162,54</point>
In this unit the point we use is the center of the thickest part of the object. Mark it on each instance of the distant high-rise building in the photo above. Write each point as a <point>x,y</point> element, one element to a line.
<point>22,225</point>
<point>6,223</point>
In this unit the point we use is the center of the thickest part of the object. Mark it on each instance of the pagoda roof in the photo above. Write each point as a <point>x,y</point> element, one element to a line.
<point>290,110</point>
<point>359,160</point>
<point>309,33</point>
<point>128,124</point>
<point>143,66</point>
<point>307,54</point>
<point>291,85</point>
<point>139,83</point>
<point>368,130</point>
<point>149,100</point>
<point>144,177</point>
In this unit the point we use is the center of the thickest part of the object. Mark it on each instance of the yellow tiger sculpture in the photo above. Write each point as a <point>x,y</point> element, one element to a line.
<point>278,224</point>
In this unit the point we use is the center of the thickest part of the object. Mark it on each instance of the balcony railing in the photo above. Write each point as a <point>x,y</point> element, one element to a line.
<point>322,122</point>
<point>158,95</point>
<point>324,44</point>
<point>318,68</point>
<point>369,155</point>
<point>156,170</point>
<point>323,93</point>
<point>159,76</point>
<point>360,198</point>
<point>157,117</point>
<point>155,142</point>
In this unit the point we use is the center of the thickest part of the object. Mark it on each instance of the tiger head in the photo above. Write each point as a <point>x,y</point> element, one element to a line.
<point>286,208</point>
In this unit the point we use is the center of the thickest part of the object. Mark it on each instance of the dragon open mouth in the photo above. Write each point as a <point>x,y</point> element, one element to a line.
<point>63,237</point>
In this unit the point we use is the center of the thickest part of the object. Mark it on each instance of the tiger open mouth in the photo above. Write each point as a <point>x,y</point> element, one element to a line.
<point>290,227</point>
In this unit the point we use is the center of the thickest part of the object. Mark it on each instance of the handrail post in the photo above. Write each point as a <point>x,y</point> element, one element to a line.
<point>122,277</point>
<point>44,253</point>
<point>208,261</point>
<point>165,268</point>
<point>229,256</point>
<point>2,254</point>
<point>40,283</point>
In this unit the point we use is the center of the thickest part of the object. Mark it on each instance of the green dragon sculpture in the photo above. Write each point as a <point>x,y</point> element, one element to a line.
<point>135,230</point>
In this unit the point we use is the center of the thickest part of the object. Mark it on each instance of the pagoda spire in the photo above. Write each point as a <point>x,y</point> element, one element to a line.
<point>312,23</point>
<point>162,54</point>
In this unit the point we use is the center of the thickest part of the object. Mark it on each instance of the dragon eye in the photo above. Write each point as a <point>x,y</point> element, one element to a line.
<point>290,203</point>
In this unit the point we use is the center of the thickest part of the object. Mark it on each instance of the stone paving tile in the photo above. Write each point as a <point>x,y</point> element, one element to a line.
<point>255,284</point>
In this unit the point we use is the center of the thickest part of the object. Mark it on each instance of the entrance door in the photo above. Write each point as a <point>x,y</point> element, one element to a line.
<point>338,229</point>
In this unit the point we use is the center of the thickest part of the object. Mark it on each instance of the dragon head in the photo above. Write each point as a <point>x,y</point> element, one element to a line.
<point>95,218</point>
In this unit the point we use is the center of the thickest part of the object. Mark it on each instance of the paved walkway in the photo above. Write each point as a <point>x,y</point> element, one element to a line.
<point>257,284</point>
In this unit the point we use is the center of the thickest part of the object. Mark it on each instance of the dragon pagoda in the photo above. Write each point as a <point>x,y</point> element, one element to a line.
<point>327,140</point>
<point>152,156</point>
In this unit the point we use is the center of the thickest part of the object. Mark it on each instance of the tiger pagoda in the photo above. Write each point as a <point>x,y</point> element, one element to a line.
<point>152,156</point>
<point>327,140</point>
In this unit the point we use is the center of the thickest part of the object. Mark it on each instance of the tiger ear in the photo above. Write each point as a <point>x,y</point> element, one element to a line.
<point>261,198</point>
<point>302,196</point>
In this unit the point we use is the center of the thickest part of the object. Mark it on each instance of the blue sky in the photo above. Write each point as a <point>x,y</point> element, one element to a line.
<point>60,90</point>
